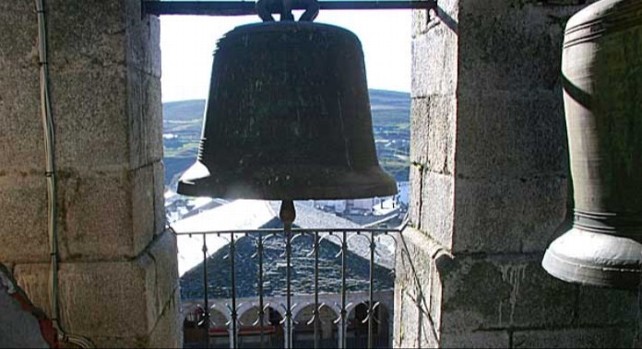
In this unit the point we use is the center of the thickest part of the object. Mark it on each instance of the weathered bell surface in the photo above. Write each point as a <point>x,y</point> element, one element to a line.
<point>602,72</point>
<point>288,118</point>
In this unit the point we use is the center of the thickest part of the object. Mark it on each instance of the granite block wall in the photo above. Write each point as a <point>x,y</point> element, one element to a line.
<point>118,273</point>
<point>491,188</point>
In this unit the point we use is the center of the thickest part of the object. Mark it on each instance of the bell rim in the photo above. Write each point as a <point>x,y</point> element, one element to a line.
<point>574,258</point>
<point>600,16</point>
<point>357,192</point>
<point>372,181</point>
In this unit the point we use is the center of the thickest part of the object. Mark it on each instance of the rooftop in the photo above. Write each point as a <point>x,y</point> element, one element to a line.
<point>256,215</point>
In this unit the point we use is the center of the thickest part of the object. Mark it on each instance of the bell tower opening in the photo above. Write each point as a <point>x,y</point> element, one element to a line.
<point>187,46</point>
<point>206,130</point>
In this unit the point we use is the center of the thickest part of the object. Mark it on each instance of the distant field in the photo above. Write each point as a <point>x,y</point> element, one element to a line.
<point>390,118</point>
<point>184,110</point>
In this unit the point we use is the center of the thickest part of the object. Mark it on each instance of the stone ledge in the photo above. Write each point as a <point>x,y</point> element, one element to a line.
<point>161,280</point>
<point>471,293</point>
<point>418,289</point>
<point>168,330</point>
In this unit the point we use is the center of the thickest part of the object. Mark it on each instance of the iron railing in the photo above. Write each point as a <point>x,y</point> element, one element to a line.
<point>338,282</point>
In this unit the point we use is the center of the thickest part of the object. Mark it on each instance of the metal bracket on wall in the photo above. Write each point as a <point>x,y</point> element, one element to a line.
<point>242,8</point>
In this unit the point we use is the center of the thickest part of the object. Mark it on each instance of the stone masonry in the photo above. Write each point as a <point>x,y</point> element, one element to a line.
<point>491,189</point>
<point>118,274</point>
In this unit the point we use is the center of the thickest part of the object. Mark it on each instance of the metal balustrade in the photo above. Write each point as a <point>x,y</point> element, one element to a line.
<point>268,276</point>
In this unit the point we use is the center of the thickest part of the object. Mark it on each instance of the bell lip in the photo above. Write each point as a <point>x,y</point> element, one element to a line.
<point>197,181</point>
<point>601,11</point>
<point>588,258</point>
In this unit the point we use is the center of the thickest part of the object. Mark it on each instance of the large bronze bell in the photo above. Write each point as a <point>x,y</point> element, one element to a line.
<point>602,72</point>
<point>288,118</point>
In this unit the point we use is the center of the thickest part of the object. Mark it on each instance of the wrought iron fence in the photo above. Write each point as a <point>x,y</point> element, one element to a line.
<point>272,288</point>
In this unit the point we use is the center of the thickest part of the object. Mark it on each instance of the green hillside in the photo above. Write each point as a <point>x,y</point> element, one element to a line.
<point>182,123</point>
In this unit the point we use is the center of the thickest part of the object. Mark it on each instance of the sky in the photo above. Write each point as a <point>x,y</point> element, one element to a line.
<point>187,45</point>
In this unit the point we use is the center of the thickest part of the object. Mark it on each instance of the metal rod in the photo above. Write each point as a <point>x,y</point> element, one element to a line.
<point>287,215</point>
<point>371,292</point>
<point>288,296</point>
<point>344,253</point>
<point>242,8</point>
<point>294,230</point>
<point>234,313</point>
<point>261,311</point>
<point>316,313</point>
<point>205,292</point>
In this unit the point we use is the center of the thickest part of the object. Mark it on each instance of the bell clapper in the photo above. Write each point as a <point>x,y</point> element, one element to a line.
<point>287,214</point>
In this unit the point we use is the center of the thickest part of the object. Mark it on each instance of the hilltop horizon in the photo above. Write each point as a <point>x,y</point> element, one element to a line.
<point>370,89</point>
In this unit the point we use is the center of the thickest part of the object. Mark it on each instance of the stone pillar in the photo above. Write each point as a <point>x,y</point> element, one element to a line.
<point>489,183</point>
<point>118,266</point>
